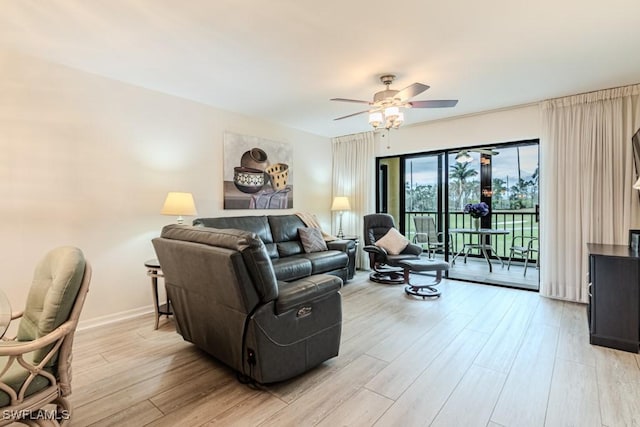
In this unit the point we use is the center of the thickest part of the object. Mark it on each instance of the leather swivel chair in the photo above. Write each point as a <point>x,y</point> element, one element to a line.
<point>384,265</point>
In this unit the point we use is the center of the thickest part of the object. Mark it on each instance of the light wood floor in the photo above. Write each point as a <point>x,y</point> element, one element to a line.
<point>478,356</point>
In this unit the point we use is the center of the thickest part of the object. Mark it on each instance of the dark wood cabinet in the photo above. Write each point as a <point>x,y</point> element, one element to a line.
<point>614,297</point>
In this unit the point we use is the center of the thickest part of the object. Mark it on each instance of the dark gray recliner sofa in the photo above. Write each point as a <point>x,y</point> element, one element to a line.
<point>228,302</point>
<point>280,236</point>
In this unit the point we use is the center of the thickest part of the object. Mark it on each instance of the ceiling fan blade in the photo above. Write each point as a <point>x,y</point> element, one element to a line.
<point>440,103</point>
<point>488,151</point>
<point>351,115</point>
<point>350,100</point>
<point>411,91</point>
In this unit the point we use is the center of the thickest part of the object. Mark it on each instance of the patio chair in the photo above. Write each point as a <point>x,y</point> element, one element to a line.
<point>527,247</point>
<point>427,234</point>
<point>35,366</point>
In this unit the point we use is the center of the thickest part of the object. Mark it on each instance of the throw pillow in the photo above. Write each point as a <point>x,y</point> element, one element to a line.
<point>312,240</point>
<point>393,242</point>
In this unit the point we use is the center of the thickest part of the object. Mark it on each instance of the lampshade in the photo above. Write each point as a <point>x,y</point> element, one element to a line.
<point>391,112</point>
<point>341,203</point>
<point>389,118</point>
<point>375,119</point>
<point>179,204</point>
<point>637,184</point>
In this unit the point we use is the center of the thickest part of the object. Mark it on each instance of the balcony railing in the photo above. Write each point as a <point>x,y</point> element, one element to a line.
<point>518,223</point>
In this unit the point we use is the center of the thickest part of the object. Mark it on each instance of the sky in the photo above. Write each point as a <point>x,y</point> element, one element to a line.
<point>505,164</point>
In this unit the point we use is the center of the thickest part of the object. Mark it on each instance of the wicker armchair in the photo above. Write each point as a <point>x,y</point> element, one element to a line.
<point>35,366</point>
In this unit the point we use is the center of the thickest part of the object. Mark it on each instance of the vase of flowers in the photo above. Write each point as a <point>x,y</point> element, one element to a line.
<point>477,211</point>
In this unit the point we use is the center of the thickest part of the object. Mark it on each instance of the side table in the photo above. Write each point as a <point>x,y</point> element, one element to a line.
<point>154,271</point>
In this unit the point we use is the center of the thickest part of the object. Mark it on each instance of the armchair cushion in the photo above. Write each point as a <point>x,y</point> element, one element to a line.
<point>393,242</point>
<point>56,282</point>
<point>312,240</point>
<point>16,376</point>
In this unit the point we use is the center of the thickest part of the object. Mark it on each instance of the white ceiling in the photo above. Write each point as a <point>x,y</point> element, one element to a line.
<point>282,60</point>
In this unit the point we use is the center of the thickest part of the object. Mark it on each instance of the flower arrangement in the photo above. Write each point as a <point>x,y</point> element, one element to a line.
<point>477,210</point>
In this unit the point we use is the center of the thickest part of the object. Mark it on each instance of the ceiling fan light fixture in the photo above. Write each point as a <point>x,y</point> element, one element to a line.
<point>398,120</point>
<point>386,108</point>
<point>391,113</point>
<point>375,119</point>
<point>463,157</point>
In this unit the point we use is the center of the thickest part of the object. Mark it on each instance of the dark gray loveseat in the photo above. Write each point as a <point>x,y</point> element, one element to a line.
<point>227,301</point>
<point>279,233</point>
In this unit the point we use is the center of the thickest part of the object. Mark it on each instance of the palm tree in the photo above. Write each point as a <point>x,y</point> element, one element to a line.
<point>499,188</point>
<point>459,173</point>
<point>420,198</point>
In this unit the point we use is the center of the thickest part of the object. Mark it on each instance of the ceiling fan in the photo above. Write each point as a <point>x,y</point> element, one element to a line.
<point>385,109</point>
<point>463,156</point>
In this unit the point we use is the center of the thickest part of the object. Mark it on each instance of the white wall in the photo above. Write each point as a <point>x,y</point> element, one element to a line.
<point>514,124</point>
<point>87,161</point>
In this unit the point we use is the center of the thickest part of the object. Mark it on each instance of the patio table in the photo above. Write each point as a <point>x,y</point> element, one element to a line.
<point>484,243</point>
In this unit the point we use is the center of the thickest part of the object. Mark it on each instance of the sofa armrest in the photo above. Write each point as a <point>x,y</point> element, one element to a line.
<point>341,245</point>
<point>292,295</point>
<point>349,247</point>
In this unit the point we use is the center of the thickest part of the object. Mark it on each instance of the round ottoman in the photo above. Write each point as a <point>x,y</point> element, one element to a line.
<point>420,266</point>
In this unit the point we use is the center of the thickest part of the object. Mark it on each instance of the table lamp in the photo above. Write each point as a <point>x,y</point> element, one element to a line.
<point>179,204</point>
<point>340,204</point>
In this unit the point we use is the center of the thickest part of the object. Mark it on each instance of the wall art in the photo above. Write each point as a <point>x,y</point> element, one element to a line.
<point>257,173</point>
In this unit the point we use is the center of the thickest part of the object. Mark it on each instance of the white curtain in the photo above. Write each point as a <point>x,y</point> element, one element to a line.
<point>354,177</point>
<point>586,180</point>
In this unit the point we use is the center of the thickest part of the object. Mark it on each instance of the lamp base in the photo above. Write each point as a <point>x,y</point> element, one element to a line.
<point>340,234</point>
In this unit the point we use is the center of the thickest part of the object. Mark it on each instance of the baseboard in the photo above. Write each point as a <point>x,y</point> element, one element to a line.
<point>113,318</point>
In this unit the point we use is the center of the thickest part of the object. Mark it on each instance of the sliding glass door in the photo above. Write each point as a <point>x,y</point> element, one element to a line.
<point>427,194</point>
<point>423,184</point>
